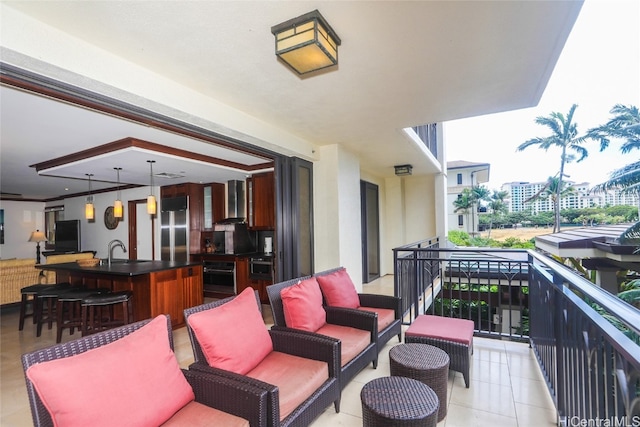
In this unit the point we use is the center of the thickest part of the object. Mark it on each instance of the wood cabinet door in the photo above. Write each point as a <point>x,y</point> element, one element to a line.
<point>264,201</point>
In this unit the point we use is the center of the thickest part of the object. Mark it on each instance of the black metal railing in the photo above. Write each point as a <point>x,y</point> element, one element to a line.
<point>586,340</point>
<point>428,134</point>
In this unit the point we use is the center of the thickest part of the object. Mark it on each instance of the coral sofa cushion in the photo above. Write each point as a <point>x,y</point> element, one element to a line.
<point>198,415</point>
<point>444,328</point>
<point>134,381</point>
<point>353,341</point>
<point>338,289</point>
<point>302,306</point>
<point>385,316</point>
<point>296,377</point>
<point>233,336</point>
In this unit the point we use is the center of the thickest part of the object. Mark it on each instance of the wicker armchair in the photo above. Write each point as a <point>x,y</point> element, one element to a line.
<point>375,301</point>
<point>308,347</point>
<point>223,394</point>
<point>351,318</point>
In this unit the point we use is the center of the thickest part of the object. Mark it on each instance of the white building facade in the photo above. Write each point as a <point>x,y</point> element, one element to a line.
<point>460,175</point>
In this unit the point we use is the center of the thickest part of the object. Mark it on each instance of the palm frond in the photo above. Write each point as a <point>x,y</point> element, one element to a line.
<point>627,178</point>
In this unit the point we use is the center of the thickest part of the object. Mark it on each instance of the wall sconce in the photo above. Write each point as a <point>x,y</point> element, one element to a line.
<point>403,170</point>
<point>37,236</point>
<point>117,205</point>
<point>151,199</point>
<point>306,43</point>
<point>88,207</point>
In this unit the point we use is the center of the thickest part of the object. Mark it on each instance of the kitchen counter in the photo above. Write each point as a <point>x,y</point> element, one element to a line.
<point>159,287</point>
<point>121,267</point>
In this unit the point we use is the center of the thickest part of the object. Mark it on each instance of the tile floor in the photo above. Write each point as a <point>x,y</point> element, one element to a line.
<point>506,385</point>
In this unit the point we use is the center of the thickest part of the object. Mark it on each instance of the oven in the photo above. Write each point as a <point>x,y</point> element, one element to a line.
<point>219,277</point>
<point>261,268</point>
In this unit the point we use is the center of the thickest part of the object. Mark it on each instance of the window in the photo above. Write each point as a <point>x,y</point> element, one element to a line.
<point>51,215</point>
<point>460,221</point>
<point>459,179</point>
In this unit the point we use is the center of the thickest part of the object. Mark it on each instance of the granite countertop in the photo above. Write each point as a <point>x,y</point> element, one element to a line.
<point>122,267</point>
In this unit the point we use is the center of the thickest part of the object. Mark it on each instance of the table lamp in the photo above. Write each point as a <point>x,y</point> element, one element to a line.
<point>37,236</point>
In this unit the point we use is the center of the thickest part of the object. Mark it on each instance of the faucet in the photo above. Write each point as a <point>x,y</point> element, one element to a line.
<point>113,244</point>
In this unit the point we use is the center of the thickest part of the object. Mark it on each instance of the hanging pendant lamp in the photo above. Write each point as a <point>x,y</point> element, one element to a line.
<point>151,199</point>
<point>117,205</point>
<point>88,207</point>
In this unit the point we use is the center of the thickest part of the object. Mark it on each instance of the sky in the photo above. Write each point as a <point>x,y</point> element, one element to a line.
<point>598,68</point>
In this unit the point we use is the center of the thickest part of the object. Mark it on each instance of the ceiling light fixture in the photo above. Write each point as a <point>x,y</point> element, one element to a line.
<point>88,207</point>
<point>403,170</point>
<point>306,43</point>
<point>117,205</point>
<point>151,199</point>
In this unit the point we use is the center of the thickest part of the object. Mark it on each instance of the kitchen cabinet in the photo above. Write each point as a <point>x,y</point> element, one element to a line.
<point>262,215</point>
<point>213,204</point>
<point>244,281</point>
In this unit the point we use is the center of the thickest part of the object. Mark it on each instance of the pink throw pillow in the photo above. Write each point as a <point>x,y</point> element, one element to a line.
<point>135,380</point>
<point>338,289</point>
<point>302,306</point>
<point>233,336</point>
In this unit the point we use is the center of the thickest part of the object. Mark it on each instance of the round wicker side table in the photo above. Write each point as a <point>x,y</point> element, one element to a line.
<point>398,401</point>
<point>425,363</point>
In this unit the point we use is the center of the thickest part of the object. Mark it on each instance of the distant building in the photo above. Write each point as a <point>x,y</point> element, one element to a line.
<point>520,192</point>
<point>460,175</point>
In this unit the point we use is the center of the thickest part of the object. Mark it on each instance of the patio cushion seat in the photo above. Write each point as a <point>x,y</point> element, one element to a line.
<point>196,414</point>
<point>354,341</point>
<point>386,316</point>
<point>296,378</point>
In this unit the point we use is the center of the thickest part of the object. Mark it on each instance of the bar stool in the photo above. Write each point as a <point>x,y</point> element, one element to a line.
<point>45,309</point>
<point>93,317</point>
<point>30,297</point>
<point>69,309</point>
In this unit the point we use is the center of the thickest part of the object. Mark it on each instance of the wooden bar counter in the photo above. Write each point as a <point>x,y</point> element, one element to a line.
<point>159,287</point>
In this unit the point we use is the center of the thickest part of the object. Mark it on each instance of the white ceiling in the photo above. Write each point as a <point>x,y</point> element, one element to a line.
<point>401,64</point>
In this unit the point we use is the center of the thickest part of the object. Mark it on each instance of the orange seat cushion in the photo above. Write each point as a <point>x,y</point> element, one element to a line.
<point>198,415</point>
<point>302,306</point>
<point>385,316</point>
<point>338,289</point>
<point>135,380</point>
<point>296,377</point>
<point>444,328</point>
<point>353,341</point>
<point>233,336</point>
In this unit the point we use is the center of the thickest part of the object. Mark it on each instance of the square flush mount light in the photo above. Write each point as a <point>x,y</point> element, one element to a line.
<point>306,43</point>
<point>403,170</point>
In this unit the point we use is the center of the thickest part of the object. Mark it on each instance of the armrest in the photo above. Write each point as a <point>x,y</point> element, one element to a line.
<point>310,346</point>
<point>354,318</point>
<point>273,399</point>
<point>382,301</point>
<point>230,396</point>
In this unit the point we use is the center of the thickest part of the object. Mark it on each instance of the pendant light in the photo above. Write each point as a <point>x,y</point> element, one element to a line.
<point>88,207</point>
<point>151,199</point>
<point>117,205</point>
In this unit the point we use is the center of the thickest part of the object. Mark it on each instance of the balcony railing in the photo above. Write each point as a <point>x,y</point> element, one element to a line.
<point>586,340</point>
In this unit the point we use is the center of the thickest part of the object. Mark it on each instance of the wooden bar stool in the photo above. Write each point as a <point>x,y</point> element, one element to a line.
<point>30,298</point>
<point>69,309</point>
<point>93,316</point>
<point>45,306</point>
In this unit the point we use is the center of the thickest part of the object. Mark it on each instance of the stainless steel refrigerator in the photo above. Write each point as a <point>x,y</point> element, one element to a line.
<point>174,229</point>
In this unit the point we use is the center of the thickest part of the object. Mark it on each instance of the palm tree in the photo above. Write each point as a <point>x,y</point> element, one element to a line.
<point>624,125</point>
<point>479,193</point>
<point>464,203</point>
<point>497,205</point>
<point>564,135</point>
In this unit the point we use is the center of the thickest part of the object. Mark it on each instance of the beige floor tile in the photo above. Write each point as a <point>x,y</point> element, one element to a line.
<point>497,373</point>
<point>490,397</point>
<point>462,416</point>
<point>534,416</point>
<point>531,392</point>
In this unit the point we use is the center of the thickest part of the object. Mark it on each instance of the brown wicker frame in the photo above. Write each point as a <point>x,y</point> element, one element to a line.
<point>459,354</point>
<point>379,301</point>
<point>310,347</point>
<point>227,395</point>
<point>345,317</point>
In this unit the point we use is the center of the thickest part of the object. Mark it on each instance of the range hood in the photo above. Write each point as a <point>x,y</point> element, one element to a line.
<point>235,199</point>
